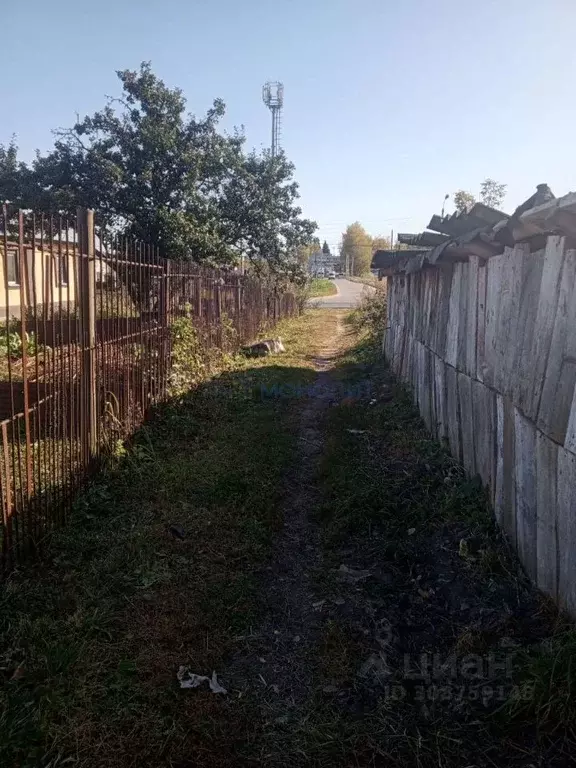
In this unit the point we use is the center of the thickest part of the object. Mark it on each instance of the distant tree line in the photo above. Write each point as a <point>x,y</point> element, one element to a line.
<point>154,172</point>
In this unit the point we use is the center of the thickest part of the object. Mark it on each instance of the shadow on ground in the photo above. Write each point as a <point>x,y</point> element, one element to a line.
<point>414,619</point>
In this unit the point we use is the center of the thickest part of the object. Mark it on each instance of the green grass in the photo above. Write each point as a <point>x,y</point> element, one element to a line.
<point>367,279</point>
<point>393,498</point>
<point>92,637</point>
<point>321,286</point>
<point>546,693</point>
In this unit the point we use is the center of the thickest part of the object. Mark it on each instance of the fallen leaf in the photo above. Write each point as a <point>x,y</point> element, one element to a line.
<point>19,672</point>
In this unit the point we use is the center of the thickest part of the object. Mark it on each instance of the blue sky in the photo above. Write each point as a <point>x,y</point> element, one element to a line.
<point>388,105</point>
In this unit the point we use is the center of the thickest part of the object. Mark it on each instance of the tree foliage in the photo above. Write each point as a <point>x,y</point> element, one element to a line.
<point>356,249</point>
<point>492,193</point>
<point>306,251</point>
<point>463,201</point>
<point>153,171</point>
<point>380,243</point>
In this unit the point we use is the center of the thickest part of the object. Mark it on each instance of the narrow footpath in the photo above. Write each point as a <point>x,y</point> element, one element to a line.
<point>291,532</point>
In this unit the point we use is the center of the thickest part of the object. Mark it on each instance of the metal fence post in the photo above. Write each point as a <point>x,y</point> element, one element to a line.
<point>87,310</point>
<point>238,307</point>
<point>165,327</point>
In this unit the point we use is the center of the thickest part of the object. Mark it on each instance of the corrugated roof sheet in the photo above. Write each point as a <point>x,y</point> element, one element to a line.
<point>483,231</point>
<point>423,239</point>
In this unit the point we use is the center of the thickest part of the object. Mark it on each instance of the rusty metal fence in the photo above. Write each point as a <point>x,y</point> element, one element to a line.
<point>86,351</point>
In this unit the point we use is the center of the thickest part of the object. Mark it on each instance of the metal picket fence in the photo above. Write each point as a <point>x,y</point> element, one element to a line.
<point>85,352</point>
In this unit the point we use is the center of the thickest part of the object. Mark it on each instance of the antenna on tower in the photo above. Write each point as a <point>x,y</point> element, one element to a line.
<point>273,97</point>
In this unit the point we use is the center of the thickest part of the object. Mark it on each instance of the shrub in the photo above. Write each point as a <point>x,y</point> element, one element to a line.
<point>370,316</point>
<point>188,358</point>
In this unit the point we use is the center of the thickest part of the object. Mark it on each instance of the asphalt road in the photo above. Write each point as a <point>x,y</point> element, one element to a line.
<point>348,295</point>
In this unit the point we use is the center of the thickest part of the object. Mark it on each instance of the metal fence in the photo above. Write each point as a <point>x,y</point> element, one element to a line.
<point>86,351</point>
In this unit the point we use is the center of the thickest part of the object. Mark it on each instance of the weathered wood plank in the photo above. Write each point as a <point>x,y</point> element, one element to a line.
<point>405,370</point>
<point>466,423</point>
<point>426,387</point>
<point>545,317</point>
<point>398,350</point>
<point>525,452</point>
<point>444,287</point>
<point>560,372</point>
<point>521,371</point>
<point>498,498</point>
<point>440,416</point>
<point>426,305</point>
<point>505,491</point>
<point>418,374</point>
<point>454,317</point>
<point>472,315</point>
<point>505,340</point>
<point>453,412</point>
<point>388,341</point>
<point>566,507</point>
<point>481,322</point>
<point>434,277</point>
<point>493,296</point>
<point>463,339</point>
<point>570,441</point>
<point>484,415</point>
<point>546,515</point>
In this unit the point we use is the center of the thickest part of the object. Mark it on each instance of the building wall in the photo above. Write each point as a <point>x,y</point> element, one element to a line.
<point>489,349</point>
<point>42,283</point>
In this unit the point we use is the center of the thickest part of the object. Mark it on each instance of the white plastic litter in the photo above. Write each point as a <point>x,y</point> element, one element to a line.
<point>189,679</point>
<point>357,431</point>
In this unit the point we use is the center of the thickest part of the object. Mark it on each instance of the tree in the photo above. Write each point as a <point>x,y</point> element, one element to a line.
<point>326,249</point>
<point>14,175</point>
<point>306,251</point>
<point>380,243</point>
<point>463,201</point>
<point>492,193</point>
<point>356,250</point>
<point>153,172</point>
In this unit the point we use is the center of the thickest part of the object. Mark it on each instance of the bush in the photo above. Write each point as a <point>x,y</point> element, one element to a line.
<point>11,341</point>
<point>194,358</point>
<point>370,316</point>
<point>188,357</point>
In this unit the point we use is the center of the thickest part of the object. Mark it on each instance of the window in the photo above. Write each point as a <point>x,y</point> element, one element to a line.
<point>13,267</point>
<point>63,269</point>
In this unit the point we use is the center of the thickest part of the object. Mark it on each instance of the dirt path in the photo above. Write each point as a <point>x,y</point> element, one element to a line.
<point>396,612</point>
<point>331,563</point>
<point>277,657</point>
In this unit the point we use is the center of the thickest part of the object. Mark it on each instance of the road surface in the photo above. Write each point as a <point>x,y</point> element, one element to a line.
<point>348,295</point>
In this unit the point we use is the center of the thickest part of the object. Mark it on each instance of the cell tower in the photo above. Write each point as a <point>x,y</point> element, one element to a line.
<point>273,97</point>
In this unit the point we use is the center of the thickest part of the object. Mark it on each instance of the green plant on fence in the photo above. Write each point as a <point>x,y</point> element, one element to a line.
<point>222,357</point>
<point>11,340</point>
<point>195,356</point>
<point>189,363</point>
